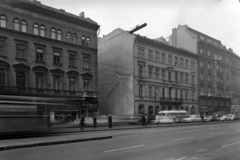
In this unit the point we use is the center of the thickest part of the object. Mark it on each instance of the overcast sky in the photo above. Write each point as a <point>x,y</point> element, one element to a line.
<point>219,19</point>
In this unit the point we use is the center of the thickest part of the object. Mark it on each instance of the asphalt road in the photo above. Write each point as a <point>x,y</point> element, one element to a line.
<point>179,143</point>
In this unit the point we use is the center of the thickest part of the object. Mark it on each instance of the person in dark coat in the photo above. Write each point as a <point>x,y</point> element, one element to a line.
<point>110,121</point>
<point>143,120</point>
<point>146,119</point>
<point>94,121</point>
<point>82,122</point>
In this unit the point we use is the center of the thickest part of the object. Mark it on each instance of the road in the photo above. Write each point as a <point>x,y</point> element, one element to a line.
<point>173,143</point>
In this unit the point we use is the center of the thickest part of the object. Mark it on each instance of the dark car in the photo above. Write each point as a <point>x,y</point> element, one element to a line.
<point>215,119</point>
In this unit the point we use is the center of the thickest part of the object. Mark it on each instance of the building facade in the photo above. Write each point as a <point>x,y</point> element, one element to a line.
<point>46,52</point>
<point>138,75</point>
<point>218,69</point>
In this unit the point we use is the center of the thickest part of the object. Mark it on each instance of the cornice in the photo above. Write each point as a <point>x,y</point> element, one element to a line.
<point>38,9</point>
<point>84,48</point>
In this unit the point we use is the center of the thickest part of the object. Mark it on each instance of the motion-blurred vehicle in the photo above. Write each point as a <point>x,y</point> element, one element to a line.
<point>207,119</point>
<point>215,119</point>
<point>192,118</point>
<point>223,118</point>
<point>172,116</point>
<point>230,117</point>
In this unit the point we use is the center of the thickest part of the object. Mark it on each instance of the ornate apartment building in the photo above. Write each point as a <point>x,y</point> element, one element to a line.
<point>140,75</point>
<point>218,69</point>
<point>47,52</point>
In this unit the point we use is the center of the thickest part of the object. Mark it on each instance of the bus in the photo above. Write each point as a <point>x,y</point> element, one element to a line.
<point>172,116</point>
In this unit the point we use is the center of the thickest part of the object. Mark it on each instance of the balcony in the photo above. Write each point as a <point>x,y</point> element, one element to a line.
<point>44,92</point>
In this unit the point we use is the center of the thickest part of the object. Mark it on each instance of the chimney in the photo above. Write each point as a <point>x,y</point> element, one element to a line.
<point>82,14</point>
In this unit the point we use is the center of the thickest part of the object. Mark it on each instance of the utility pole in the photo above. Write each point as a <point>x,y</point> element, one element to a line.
<point>137,28</point>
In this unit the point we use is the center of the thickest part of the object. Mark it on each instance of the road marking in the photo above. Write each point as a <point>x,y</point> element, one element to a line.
<point>230,144</point>
<point>182,138</point>
<point>190,130</point>
<point>201,150</point>
<point>182,158</point>
<point>217,133</point>
<point>124,148</point>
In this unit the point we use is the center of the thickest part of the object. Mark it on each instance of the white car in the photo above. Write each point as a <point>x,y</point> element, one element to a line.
<point>192,118</point>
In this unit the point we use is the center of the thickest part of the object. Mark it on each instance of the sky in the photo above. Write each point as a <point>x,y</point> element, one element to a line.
<point>219,19</point>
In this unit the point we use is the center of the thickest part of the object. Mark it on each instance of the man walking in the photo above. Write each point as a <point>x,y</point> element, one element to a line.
<point>82,122</point>
<point>157,119</point>
<point>110,121</point>
<point>94,121</point>
<point>143,120</point>
<point>146,119</point>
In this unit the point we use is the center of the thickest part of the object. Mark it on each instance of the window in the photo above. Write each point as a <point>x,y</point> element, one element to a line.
<point>208,65</point>
<point>209,77</point>
<point>193,79</point>
<point>2,78</point>
<point>69,37</point>
<point>176,61</point>
<point>42,31</point>
<point>181,77</point>
<point>201,50</point>
<point>163,57</point>
<point>150,55</point>
<point>2,50</point>
<point>88,42</point>
<point>150,71</point>
<point>186,96</point>
<point>186,63</point>
<point>39,81</point>
<point>187,75</point>
<point>86,63</point>
<point>201,63</point>
<point>83,40</point>
<point>57,83</point>
<point>141,109</point>
<point>74,37</point>
<point>170,59</point>
<point>72,84</point>
<point>150,91</point>
<point>3,21</point>
<point>35,29</point>
<point>156,72</point>
<point>16,24</point>
<point>221,68</point>
<point>163,92</point>
<point>169,75</point>
<point>226,69</point>
<point>209,53</point>
<point>181,62</point>
<point>56,58</point>
<point>163,74</point>
<point>21,51</point>
<point>53,33</point>
<point>86,85</point>
<point>176,76</point>
<point>24,26</point>
<point>226,59</point>
<point>21,79</point>
<point>193,65</point>
<point>72,58</point>
<point>140,90</point>
<point>39,54</point>
<point>59,35</point>
<point>201,76</point>
<point>140,71</point>
<point>193,92</point>
<point>157,59</point>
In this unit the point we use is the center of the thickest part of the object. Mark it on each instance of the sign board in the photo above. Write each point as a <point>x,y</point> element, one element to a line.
<point>90,105</point>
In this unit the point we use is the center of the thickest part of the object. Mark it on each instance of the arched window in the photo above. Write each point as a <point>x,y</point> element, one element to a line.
<point>53,33</point>
<point>169,108</point>
<point>72,84</point>
<point>24,26</point>
<point>141,109</point>
<point>74,37</point>
<point>88,41</point>
<point>163,108</point>
<point>35,29</point>
<point>150,110</point>
<point>83,40</point>
<point>186,109</point>
<point>157,109</point>
<point>69,37</point>
<point>181,108</point>
<point>2,78</point>
<point>3,21</point>
<point>57,82</point>
<point>59,35</point>
<point>86,85</point>
<point>16,24</point>
<point>21,79</point>
<point>42,31</point>
<point>40,81</point>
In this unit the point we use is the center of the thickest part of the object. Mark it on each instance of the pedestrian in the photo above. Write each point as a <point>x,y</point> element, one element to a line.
<point>157,119</point>
<point>143,120</point>
<point>94,121</point>
<point>146,119</point>
<point>110,121</point>
<point>82,122</point>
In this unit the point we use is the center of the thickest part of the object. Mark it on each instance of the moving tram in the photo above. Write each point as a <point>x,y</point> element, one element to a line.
<point>172,116</point>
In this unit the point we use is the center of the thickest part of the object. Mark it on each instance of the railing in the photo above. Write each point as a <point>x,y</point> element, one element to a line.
<point>29,90</point>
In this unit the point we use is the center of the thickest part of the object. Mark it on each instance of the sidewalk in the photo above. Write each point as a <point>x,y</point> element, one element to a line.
<point>61,135</point>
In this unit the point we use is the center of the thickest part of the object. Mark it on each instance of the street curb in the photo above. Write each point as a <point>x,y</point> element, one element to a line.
<point>10,147</point>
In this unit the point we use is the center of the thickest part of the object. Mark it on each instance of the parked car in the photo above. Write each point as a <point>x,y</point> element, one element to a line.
<point>192,118</point>
<point>207,119</point>
<point>230,117</point>
<point>236,118</point>
<point>223,118</point>
<point>215,119</point>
